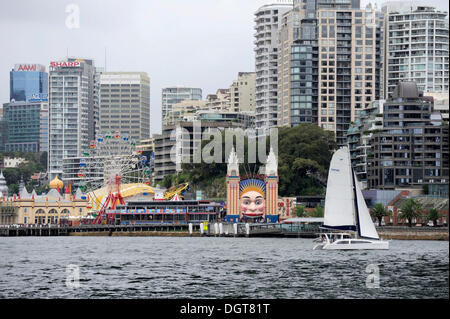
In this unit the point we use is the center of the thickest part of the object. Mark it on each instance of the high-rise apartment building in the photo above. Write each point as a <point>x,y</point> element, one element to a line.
<point>417,48</point>
<point>220,101</point>
<point>334,68</point>
<point>73,118</point>
<point>184,111</point>
<point>268,20</point>
<point>242,93</point>
<point>125,104</point>
<point>412,148</point>
<point>28,82</point>
<point>359,137</point>
<point>440,103</point>
<point>177,94</point>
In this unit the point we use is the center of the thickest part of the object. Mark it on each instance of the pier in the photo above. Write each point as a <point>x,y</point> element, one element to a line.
<point>162,229</point>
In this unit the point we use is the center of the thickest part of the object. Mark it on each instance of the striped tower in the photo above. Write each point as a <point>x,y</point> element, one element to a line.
<point>233,180</point>
<point>272,188</point>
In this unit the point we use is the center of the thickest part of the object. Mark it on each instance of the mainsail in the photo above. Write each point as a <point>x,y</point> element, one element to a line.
<point>339,199</point>
<point>345,208</point>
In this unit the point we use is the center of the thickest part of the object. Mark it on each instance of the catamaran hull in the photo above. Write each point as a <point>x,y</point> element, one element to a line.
<point>371,245</point>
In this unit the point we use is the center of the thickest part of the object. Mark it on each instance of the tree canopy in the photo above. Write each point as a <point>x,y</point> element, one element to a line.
<point>35,162</point>
<point>379,211</point>
<point>410,210</point>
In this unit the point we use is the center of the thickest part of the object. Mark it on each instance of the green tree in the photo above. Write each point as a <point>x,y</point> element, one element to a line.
<point>379,211</point>
<point>434,215</point>
<point>303,150</point>
<point>410,209</point>
<point>168,181</point>
<point>317,212</point>
<point>36,162</point>
<point>43,159</point>
<point>13,189</point>
<point>300,211</point>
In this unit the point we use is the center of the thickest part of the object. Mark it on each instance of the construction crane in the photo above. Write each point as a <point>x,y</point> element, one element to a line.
<point>176,190</point>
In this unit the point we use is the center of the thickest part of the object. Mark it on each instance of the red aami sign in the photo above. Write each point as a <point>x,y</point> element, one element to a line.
<point>26,67</point>
<point>65,64</point>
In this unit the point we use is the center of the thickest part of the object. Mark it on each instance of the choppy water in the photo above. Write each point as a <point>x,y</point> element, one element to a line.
<point>266,268</point>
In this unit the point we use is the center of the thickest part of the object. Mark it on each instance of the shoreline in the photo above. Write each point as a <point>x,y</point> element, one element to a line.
<point>387,235</point>
<point>441,236</point>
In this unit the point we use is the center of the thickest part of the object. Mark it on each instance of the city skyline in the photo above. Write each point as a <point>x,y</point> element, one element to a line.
<point>215,40</point>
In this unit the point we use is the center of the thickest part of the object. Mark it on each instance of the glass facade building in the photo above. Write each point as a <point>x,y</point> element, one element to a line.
<point>26,126</point>
<point>28,83</point>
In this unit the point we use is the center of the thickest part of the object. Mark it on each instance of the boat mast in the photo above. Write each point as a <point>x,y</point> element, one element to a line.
<point>355,202</point>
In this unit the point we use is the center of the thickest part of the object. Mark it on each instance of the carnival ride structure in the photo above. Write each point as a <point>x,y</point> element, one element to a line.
<point>111,161</point>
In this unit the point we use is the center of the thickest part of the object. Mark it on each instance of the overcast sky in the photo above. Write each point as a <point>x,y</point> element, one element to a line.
<point>199,43</point>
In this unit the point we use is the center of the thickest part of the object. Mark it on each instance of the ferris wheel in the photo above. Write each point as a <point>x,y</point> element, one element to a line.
<point>109,157</point>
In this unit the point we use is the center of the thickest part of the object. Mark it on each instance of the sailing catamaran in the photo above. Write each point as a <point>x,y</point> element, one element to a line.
<point>346,212</point>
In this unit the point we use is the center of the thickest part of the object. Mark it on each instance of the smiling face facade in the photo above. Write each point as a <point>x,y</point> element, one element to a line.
<point>252,199</point>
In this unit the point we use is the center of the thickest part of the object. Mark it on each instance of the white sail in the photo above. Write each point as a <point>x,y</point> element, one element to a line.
<point>339,200</point>
<point>365,224</point>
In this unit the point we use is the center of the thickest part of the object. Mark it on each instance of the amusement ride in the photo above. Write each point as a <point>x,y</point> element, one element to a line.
<point>111,161</point>
<point>114,163</point>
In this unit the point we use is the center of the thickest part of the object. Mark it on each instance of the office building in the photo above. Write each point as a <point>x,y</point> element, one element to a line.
<point>26,127</point>
<point>267,20</point>
<point>3,132</point>
<point>28,82</point>
<point>125,104</point>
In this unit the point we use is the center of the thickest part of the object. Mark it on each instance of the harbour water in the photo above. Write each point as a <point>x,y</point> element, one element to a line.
<point>266,268</point>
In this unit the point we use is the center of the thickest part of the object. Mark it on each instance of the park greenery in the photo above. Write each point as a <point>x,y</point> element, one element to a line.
<point>300,211</point>
<point>35,163</point>
<point>304,155</point>
<point>379,211</point>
